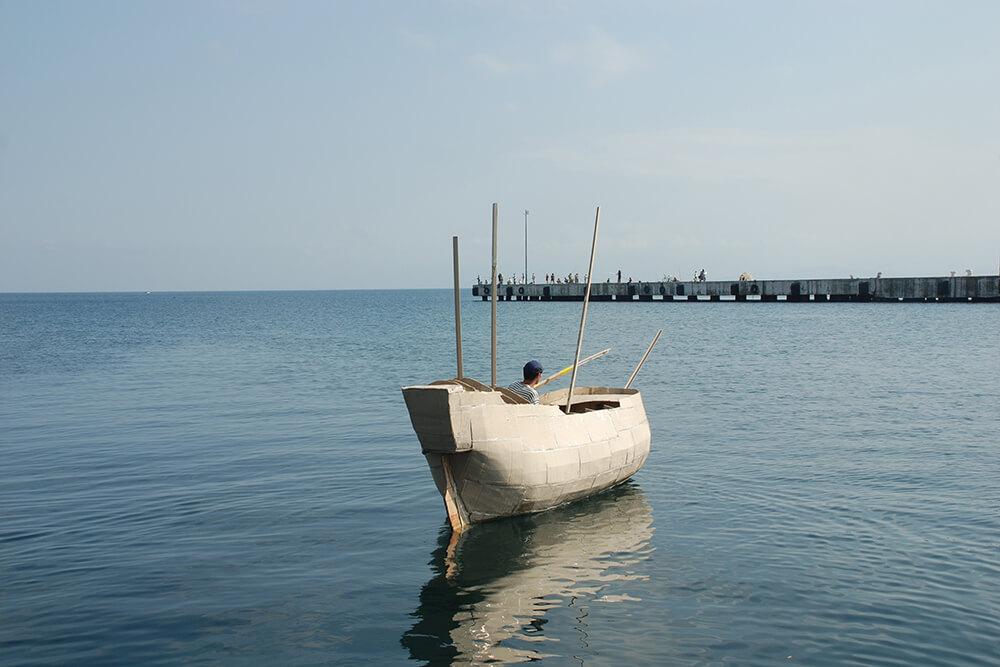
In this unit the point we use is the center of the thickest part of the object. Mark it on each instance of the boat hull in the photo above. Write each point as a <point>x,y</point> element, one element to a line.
<point>497,459</point>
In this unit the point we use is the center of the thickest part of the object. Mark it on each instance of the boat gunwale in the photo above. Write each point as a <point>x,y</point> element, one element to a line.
<point>553,398</point>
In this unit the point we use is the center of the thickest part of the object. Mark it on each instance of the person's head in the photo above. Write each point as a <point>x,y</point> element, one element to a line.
<point>532,372</point>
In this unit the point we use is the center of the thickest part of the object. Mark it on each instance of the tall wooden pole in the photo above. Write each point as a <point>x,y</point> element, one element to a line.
<point>583,317</point>
<point>493,294</point>
<point>458,307</point>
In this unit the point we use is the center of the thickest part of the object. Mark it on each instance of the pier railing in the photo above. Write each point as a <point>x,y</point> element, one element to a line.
<point>947,289</point>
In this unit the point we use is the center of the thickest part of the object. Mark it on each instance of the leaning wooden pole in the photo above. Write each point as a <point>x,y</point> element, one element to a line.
<point>556,376</point>
<point>458,517</point>
<point>493,295</point>
<point>643,360</point>
<point>583,317</point>
<point>458,307</point>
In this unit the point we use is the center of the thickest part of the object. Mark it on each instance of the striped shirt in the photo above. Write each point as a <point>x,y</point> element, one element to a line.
<point>524,391</point>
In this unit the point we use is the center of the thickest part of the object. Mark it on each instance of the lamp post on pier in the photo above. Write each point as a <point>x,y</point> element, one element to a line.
<point>525,247</point>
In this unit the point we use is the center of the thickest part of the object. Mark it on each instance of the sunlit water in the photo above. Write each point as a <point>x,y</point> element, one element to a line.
<point>233,479</point>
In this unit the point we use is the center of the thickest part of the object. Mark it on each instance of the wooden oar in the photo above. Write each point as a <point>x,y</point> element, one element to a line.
<point>569,368</point>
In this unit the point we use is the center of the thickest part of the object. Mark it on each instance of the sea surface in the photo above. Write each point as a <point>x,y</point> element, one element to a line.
<point>232,479</point>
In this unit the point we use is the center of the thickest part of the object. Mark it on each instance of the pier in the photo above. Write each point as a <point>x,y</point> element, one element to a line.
<point>947,289</point>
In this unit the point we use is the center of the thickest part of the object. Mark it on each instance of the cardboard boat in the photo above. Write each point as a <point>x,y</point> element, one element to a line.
<point>492,454</point>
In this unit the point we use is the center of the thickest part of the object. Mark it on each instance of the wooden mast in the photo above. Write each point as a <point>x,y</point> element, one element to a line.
<point>583,317</point>
<point>458,307</point>
<point>493,294</point>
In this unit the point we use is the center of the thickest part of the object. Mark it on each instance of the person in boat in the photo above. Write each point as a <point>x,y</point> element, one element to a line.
<point>526,388</point>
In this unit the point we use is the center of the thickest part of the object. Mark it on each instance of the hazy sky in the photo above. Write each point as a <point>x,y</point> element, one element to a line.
<point>227,144</point>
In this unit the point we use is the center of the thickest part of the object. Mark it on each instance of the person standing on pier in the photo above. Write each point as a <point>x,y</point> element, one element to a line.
<point>619,275</point>
<point>532,374</point>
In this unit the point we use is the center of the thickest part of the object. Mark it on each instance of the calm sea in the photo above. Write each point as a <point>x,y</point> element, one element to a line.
<point>232,479</point>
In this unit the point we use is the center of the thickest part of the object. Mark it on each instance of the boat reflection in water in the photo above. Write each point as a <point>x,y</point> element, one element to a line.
<point>496,584</point>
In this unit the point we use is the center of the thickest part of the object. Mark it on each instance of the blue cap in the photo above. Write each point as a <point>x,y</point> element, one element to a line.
<point>532,368</point>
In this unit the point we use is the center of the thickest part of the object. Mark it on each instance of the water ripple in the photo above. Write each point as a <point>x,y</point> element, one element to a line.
<point>232,479</point>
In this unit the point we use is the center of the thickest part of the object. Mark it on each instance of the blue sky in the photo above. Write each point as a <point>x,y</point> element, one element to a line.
<point>227,144</point>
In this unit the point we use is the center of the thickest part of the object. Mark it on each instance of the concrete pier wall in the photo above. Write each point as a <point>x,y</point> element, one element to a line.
<point>948,289</point>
